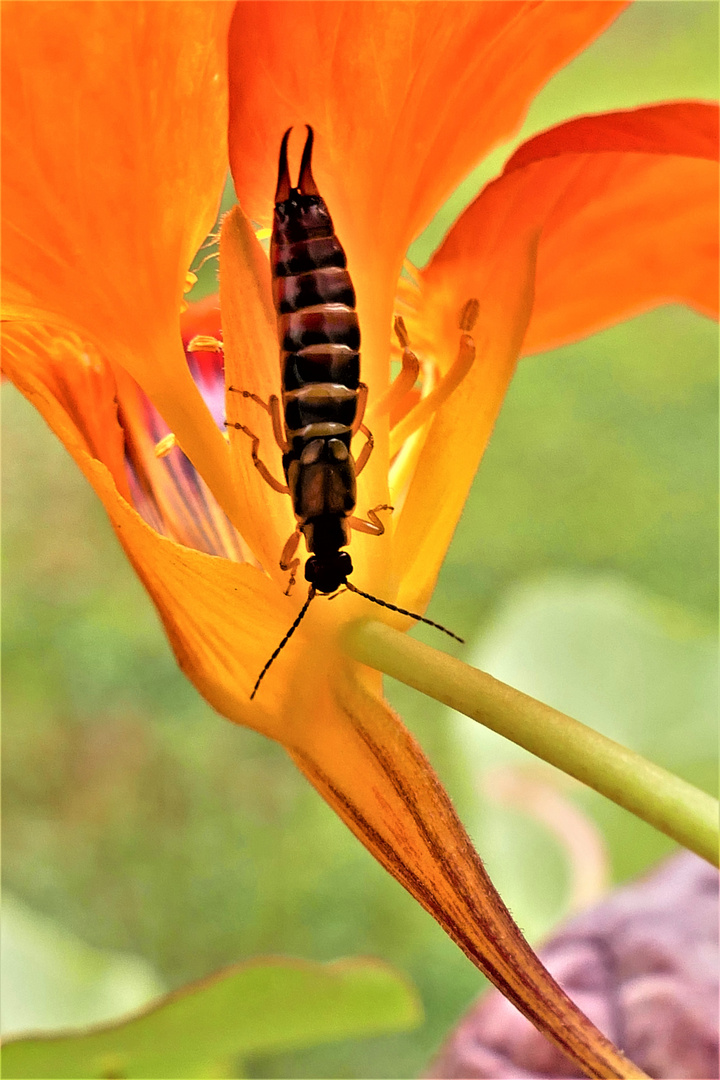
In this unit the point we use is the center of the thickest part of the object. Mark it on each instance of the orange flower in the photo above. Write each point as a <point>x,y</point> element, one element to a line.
<point>115,118</point>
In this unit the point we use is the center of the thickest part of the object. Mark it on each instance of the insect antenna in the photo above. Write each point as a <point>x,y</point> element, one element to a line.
<point>283,643</point>
<point>402,611</point>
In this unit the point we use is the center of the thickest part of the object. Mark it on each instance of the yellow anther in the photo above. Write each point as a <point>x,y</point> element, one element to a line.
<point>163,448</point>
<point>400,331</point>
<point>183,306</point>
<point>263,234</point>
<point>468,315</point>
<point>190,280</point>
<point>203,343</point>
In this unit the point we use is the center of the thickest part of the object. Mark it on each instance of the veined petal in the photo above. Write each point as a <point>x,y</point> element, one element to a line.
<point>114,120</point>
<point>223,618</point>
<point>615,232</point>
<point>500,273</point>
<point>165,488</point>
<point>405,98</point>
<point>627,210</point>
<point>647,189</point>
<point>252,364</point>
<point>371,771</point>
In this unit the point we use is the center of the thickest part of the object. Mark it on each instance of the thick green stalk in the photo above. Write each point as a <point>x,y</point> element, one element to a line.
<point>676,808</point>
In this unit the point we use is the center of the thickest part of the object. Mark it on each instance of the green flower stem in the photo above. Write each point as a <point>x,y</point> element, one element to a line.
<point>676,808</point>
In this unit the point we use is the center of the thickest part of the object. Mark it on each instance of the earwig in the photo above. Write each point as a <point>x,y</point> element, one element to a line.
<point>323,399</point>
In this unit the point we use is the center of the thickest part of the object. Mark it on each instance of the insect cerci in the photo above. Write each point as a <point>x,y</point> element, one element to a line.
<point>322,401</point>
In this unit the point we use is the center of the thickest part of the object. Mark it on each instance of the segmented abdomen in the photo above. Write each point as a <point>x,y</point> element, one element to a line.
<point>318,327</point>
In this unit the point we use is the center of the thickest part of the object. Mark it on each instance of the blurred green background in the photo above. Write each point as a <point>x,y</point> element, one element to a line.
<point>584,571</point>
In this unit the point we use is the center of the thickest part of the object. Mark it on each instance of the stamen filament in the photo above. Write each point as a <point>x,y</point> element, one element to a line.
<point>425,408</point>
<point>406,378</point>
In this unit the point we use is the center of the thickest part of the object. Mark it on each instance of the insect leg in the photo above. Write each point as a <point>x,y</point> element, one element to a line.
<point>261,467</point>
<point>374,526</point>
<point>366,450</point>
<point>360,408</point>
<point>287,562</point>
<point>273,407</point>
<point>253,397</point>
<point>277,423</point>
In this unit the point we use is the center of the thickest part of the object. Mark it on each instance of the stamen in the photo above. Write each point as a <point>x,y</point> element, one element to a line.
<point>451,380</point>
<point>403,464</point>
<point>406,378</point>
<point>469,315</point>
<point>263,234</point>
<point>401,332</point>
<point>163,448</point>
<point>190,280</point>
<point>204,343</point>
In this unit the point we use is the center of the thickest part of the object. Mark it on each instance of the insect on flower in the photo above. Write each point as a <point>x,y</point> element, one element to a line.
<point>323,398</point>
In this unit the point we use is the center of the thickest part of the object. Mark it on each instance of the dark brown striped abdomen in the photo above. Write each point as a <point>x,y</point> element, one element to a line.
<point>319,338</point>
<point>314,298</point>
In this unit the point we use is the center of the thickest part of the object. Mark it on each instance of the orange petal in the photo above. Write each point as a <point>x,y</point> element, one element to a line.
<point>405,97</point>
<point>372,772</point>
<point>223,618</point>
<point>252,364</point>
<point>500,273</point>
<point>626,205</point>
<point>114,120</point>
<point>165,489</point>
<point>615,232</point>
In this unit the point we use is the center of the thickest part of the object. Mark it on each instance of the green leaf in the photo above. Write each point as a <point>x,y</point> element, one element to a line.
<point>50,979</point>
<point>264,1005</point>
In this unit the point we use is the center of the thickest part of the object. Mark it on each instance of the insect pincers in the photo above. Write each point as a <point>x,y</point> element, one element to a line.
<point>322,401</point>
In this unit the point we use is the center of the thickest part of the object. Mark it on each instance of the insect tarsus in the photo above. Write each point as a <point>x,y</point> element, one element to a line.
<point>323,400</point>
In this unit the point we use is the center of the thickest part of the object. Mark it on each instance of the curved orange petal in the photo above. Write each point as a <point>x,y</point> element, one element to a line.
<point>614,232</point>
<point>501,275</point>
<point>165,489</point>
<point>252,364</point>
<point>626,205</point>
<point>114,121</point>
<point>405,98</point>
<point>223,618</point>
<point>367,766</point>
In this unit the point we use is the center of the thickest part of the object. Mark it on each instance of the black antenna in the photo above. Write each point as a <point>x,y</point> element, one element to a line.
<point>402,611</point>
<point>283,643</point>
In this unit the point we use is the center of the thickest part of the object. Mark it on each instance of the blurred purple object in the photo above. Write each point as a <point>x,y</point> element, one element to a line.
<point>643,965</point>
